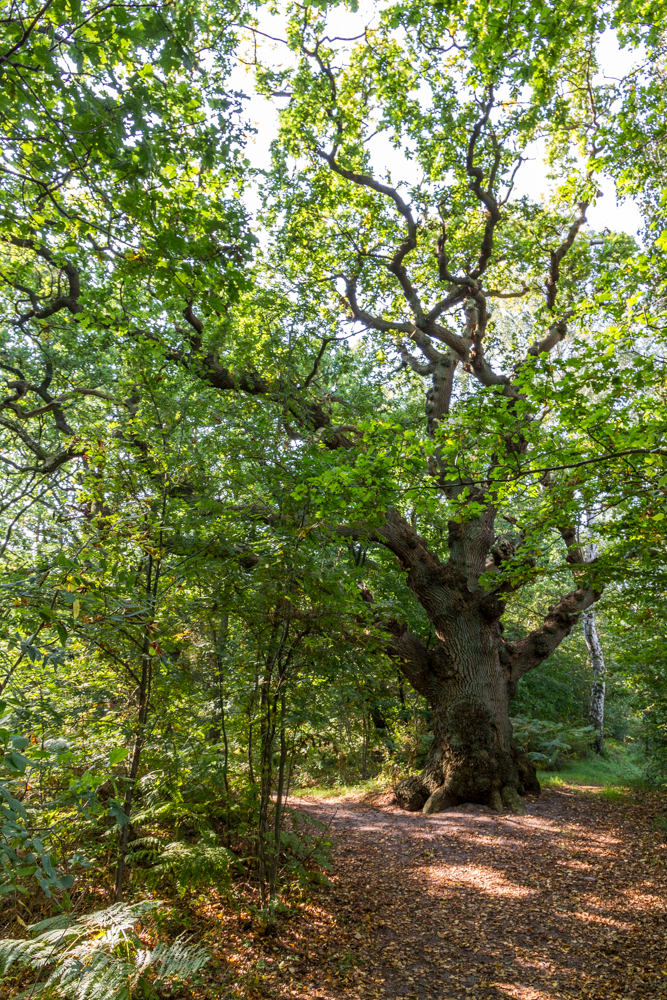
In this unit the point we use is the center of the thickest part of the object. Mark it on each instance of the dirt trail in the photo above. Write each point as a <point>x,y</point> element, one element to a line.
<point>568,901</point>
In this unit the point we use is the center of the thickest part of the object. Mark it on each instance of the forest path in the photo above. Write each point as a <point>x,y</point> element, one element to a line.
<point>568,901</point>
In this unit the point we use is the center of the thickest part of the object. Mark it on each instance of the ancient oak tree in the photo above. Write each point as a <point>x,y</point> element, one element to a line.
<point>474,290</point>
<point>444,358</point>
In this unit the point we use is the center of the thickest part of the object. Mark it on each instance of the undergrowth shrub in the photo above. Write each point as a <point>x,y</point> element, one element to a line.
<point>551,744</point>
<point>304,841</point>
<point>187,867</point>
<point>28,845</point>
<point>406,751</point>
<point>654,738</point>
<point>660,823</point>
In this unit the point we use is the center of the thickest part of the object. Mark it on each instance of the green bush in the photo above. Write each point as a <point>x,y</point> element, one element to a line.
<point>550,744</point>
<point>187,867</point>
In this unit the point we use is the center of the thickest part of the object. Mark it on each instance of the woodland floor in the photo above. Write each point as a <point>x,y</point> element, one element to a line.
<point>568,901</point>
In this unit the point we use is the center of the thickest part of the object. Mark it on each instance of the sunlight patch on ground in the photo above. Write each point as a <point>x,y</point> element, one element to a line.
<point>487,880</point>
<point>642,901</point>
<point>591,917</point>
<point>598,918</point>
<point>337,793</point>
<point>523,992</point>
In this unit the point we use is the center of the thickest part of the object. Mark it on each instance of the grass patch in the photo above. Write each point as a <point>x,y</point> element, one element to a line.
<point>340,791</point>
<point>620,771</point>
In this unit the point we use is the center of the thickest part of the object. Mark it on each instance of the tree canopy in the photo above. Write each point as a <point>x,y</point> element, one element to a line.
<point>321,487</point>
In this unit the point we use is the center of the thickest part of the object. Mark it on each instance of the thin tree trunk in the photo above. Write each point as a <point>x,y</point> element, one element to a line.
<point>223,724</point>
<point>267,732</point>
<point>251,722</point>
<point>597,695</point>
<point>364,750</point>
<point>290,769</point>
<point>220,645</point>
<point>596,703</point>
<point>268,716</point>
<point>223,730</point>
<point>144,700</point>
<point>278,825</point>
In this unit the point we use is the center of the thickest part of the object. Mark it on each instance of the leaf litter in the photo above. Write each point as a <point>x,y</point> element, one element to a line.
<point>567,901</point>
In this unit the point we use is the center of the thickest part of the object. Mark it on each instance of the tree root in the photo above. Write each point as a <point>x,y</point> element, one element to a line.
<point>496,800</point>
<point>513,801</point>
<point>440,800</point>
<point>413,795</point>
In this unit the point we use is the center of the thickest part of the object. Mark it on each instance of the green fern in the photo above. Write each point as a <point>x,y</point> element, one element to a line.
<point>177,814</point>
<point>144,852</point>
<point>100,956</point>
<point>189,866</point>
<point>551,744</point>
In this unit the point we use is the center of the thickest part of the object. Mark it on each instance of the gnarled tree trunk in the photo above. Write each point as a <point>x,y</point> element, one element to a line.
<point>473,757</point>
<point>470,676</point>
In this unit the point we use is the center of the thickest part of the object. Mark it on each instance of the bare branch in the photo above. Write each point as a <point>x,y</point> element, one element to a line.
<point>54,404</point>
<point>496,293</point>
<point>374,322</point>
<point>70,301</point>
<point>417,366</point>
<point>316,364</point>
<point>559,622</point>
<point>34,446</point>
<point>575,553</point>
<point>557,332</point>
<point>558,254</point>
<point>365,180</point>
<point>483,371</point>
<point>454,340</point>
<point>26,33</point>
<point>438,397</point>
<point>485,195</point>
<point>412,656</point>
<point>197,325</point>
<point>451,300</point>
<point>396,265</point>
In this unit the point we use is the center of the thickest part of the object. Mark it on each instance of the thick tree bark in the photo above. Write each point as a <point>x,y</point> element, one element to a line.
<point>470,676</point>
<point>473,757</point>
<point>596,703</point>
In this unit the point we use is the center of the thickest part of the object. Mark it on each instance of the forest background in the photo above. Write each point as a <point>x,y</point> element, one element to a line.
<point>220,377</point>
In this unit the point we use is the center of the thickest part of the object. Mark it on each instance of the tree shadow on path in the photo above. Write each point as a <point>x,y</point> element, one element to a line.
<point>567,901</point>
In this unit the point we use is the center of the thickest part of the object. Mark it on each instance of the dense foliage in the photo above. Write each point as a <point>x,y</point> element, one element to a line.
<point>207,416</point>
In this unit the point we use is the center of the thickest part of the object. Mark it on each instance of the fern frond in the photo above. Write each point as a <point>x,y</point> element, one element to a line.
<point>144,851</point>
<point>178,961</point>
<point>99,956</point>
<point>193,865</point>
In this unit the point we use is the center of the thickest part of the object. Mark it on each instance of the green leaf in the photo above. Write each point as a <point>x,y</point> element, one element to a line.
<point>16,761</point>
<point>116,811</point>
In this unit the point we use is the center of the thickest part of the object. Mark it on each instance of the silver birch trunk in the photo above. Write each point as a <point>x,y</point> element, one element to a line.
<point>596,704</point>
